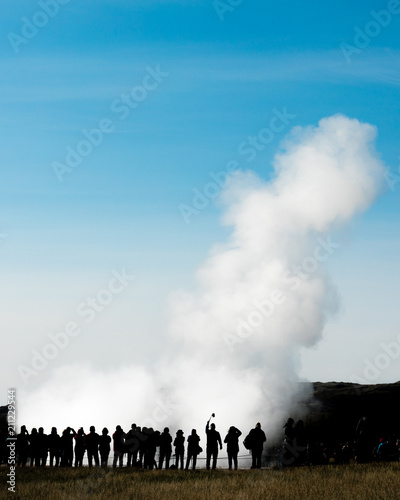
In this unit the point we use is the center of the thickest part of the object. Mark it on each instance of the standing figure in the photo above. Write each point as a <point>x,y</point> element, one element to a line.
<point>232,446</point>
<point>34,451</point>
<point>193,449</point>
<point>119,446</point>
<point>300,444</point>
<point>132,445</point>
<point>54,447</point>
<point>179,443</point>
<point>152,442</point>
<point>289,452</point>
<point>213,440</point>
<point>165,448</point>
<point>255,442</point>
<point>141,437</point>
<point>79,447</point>
<point>104,447</point>
<point>43,446</point>
<point>92,446</point>
<point>22,446</point>
<point>67,447</point>
<point>363,444</point>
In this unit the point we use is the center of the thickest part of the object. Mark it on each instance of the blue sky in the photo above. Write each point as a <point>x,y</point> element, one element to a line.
<point>120,207</point>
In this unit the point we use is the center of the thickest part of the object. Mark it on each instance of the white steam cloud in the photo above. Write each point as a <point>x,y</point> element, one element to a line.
<point>261,297</point>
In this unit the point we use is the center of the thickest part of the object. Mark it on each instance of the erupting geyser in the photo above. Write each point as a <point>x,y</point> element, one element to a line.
<point>260,298</point>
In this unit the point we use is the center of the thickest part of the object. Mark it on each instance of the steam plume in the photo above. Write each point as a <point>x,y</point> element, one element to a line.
<point>260,298</point>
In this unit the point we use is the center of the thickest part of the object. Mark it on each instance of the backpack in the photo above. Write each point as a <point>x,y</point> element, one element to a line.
<point>247,442</point>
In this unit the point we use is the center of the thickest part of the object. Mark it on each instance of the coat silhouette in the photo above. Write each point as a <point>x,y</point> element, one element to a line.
<point>232,446</point>
<point>193,449</point>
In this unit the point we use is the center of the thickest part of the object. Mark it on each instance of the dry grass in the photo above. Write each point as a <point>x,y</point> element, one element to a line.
<point>355,482</point>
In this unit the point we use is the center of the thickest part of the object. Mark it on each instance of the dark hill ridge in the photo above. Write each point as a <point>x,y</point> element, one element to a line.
<point>333,413</point>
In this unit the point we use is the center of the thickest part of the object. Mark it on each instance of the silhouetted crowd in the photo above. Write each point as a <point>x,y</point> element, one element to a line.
<point>147,448</point>
<point>136,448</point>
<point>297,450</point>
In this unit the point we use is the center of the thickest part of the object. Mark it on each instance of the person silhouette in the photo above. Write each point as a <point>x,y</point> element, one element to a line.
<point>43,446</point>
<point>213,440</point>
<point>92,446</point>
<point>193,449</point>
<point>22,446</point>
<point>54,447</point>
<point>363,441</point>
<point>66,447</point>
<point>232,446</point>
<point>119,446</point>
<point>300,443</point>
<point>179,443</point>
<point>255,442</point>
<point>132,445</point>
<point>79,439</point>
<point>34,448</point>
<point>141,437</point>
<point>151,441</point>
<point>289,430</point>
<point>289,452</point>
<point>165,448</point>
<point>104,447</point>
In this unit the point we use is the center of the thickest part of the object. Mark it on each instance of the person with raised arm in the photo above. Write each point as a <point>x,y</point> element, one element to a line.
<point>213,440</point>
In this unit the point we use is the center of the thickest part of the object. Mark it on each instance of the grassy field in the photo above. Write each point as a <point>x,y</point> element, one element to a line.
<point>374,481</point>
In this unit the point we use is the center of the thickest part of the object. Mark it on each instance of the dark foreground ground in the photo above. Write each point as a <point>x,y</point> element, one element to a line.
<point>352,482</point>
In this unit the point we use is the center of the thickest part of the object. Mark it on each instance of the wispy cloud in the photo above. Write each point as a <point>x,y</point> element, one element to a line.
<point>100,78</point>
